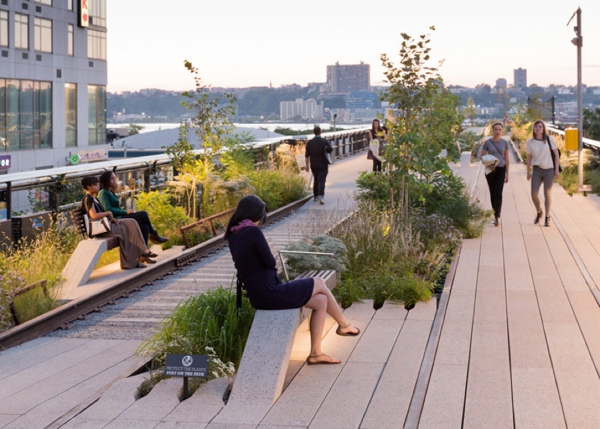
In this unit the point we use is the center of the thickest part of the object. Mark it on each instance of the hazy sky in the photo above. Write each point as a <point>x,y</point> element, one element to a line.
<point>241,43</point>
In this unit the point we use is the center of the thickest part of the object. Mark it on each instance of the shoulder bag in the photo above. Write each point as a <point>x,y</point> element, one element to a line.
<point>552,155</point>
<point>96,227</point>
<point>328,156</point>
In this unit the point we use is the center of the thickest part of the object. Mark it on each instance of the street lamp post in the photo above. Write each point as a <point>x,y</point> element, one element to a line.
<point>578,41</point>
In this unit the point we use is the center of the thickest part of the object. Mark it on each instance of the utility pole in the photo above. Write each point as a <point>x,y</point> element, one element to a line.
<point>578,41</point>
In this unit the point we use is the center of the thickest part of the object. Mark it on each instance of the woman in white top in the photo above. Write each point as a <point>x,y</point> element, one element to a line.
<point>539,155</point>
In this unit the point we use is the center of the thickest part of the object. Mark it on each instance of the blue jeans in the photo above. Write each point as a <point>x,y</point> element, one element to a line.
<point>320,175</point>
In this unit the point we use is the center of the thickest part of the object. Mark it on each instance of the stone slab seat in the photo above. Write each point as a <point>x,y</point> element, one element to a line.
<point>260,378</point>
<point>85,257</point>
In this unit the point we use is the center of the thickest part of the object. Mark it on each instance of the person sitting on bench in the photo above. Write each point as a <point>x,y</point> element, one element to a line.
<point>132,248</point>
<point>108,199</point>
<point>255,267</point>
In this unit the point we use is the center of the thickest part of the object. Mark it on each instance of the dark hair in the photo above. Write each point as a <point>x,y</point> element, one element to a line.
<point>88,181</point>
<point>105,180</point>
<point>317,130</point>
<point>250,207</point>
<point>380,128</point>
<point>544,133</point>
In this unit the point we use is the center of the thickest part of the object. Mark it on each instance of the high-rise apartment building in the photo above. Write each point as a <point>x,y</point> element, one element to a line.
<point>343,79</point>
<point>53,75</point>
<point>520,76</point>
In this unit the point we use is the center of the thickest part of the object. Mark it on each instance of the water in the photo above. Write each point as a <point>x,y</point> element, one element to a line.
<point>269,126</point>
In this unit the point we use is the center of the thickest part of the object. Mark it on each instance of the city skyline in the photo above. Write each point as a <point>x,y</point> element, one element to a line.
<point>258,45</point>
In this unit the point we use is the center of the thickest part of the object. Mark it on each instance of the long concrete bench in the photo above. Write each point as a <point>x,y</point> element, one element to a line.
<point>260,378</point>
<point>87,254</point>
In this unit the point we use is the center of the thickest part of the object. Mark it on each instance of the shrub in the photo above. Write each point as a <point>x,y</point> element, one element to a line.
<point>297,263</point>
<point>165,218</point>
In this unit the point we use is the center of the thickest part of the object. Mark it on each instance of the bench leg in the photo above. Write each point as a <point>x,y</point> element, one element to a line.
<point>82,262</point>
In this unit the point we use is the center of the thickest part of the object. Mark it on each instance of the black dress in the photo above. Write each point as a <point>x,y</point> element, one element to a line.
<point>255,267</point>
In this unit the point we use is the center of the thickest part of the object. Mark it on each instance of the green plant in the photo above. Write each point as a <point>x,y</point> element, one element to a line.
<point>165,217</point>
<point>208,320</point>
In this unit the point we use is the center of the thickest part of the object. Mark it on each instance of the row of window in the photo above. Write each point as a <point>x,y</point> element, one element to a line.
<point>26,114</point>
<point>96,40</point>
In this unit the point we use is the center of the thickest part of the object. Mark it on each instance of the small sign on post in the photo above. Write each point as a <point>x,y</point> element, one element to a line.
<point>186,366</point>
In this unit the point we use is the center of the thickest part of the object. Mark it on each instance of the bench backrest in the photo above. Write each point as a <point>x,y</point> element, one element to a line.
<point>78,222</point>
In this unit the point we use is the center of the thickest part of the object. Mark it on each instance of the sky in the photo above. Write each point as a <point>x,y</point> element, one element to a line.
<point>273,42</point>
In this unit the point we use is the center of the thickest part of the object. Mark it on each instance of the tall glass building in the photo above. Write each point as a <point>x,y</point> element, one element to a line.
<point>53,76</point>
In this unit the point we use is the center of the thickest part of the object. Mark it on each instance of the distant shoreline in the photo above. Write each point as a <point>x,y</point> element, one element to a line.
<point>149,127</point>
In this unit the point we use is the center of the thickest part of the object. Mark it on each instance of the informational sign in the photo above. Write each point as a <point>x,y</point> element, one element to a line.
<point>4,162</point>
<point>84,17</point>
<point>186,365</point>
<point>89,155</point>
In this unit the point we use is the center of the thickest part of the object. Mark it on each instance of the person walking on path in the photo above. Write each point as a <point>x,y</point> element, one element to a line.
<point>497,147</point>
<point>316,162</point>
<point>108,199</point>
<point>540,150</point>
<point>256,269</point>
<point>379,133</point>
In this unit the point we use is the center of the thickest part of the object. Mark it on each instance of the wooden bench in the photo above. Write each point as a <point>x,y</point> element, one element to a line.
<point>85,257</point>
<point>260,378</point>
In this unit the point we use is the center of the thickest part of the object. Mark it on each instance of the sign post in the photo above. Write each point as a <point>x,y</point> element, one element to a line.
<point>186,366</point>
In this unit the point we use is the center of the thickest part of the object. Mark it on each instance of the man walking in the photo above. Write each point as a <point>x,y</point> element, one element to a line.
<point>315,160</point>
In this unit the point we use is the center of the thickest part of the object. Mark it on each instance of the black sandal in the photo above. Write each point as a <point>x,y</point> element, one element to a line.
<point>346,334</point>
<point>537,218</point>
<point>547,221</point>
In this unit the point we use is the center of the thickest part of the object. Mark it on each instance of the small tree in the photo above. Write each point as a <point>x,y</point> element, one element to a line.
<point>471,110</point>
<point>210,124</point>
<point>426,120</point>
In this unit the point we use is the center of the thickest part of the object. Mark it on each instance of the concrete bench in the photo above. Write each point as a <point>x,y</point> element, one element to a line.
<point>85,257</point>
<point>260,378</point>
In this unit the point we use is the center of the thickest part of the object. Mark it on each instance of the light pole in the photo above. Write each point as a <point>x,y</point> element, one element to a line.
<point>332,116</point>
<point>334,119</point>
<point>578,41</point>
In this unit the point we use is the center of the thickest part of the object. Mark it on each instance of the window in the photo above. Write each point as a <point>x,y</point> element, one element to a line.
<point>26,114</point>
<point>70,4</point>
<point>97,11</point>
<point>3,28</point>
<point>71,40</point>
<point>43,35</point>
<point>46,2</point>
<point>71,114</point>
<point>96,44</point>
<point>21,31</point>
<point>96,114</point>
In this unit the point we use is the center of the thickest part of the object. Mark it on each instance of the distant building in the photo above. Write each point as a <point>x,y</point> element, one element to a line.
<point>53,75</point>
<point>520,78</point>
<point>305,109</point>
<point>362,100</point>
<point>501,83</point>
<point>343,79</point>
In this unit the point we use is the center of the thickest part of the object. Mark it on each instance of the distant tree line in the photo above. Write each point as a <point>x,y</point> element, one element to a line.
<point>251,102</point>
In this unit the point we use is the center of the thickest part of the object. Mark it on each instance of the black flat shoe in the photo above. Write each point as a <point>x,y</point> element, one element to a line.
<point>537,218</point>
<point>146,260</point>
<point>150,254</point>
<point>157,239</point>
<point>547,223</point>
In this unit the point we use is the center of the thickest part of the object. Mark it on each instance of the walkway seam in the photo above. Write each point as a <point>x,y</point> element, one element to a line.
<point>418,399</point>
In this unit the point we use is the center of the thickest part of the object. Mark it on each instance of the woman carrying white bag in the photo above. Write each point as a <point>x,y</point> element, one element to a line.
<point>132,247</point>
<point>498,147</point>
<point>377,135</point>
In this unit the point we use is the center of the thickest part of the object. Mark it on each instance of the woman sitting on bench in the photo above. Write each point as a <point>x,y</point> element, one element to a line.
<point>132,248</point>
<point>108,199</point>
<point>255,267</point>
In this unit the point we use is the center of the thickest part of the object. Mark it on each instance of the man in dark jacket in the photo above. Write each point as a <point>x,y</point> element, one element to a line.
<point>315,160</point>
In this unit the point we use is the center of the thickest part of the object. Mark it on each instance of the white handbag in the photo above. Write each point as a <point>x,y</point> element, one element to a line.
<point>96,227</point>
<point>328,157</point>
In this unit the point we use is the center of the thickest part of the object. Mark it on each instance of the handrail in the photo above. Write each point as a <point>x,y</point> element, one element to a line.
<point>300,252</point>
<point>209,219</point>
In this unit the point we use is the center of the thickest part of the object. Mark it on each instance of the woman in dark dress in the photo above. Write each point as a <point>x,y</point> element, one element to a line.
<point>255,267</point>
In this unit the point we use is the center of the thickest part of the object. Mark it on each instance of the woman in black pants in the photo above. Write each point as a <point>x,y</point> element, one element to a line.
<point>497,147</point>
<point>108,199</point>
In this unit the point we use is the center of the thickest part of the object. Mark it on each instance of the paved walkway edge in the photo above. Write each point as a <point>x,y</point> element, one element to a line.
<point>418,399</point>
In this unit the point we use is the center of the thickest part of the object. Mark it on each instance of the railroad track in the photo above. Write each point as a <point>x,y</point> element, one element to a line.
<point>152,295</point>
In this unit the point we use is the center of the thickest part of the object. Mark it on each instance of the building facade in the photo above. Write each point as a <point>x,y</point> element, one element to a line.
<point>520,78</point>
<point>344,79</point>
<point>53,76</point>
<point>304,109</point>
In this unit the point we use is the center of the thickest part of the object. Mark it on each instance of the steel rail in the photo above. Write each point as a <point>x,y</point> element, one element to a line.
<point>77,309</point>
